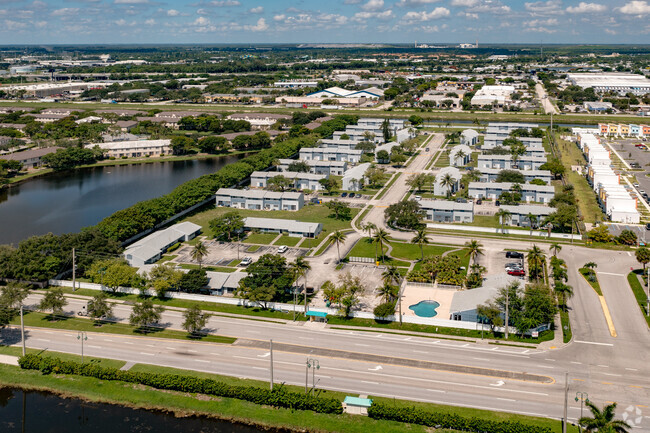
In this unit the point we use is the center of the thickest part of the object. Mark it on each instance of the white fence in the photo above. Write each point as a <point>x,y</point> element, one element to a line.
<point>273,305</point>
<point>507,231</point>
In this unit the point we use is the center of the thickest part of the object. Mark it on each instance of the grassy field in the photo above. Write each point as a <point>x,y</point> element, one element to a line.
<point>290,241</point>
<point>309,213</point>
<point>260,238</point>
<point>594,284</point>
<point>639,293</point>
<point>79,324</point>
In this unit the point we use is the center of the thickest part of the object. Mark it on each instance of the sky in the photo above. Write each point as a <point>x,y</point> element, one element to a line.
<point>284,21</point>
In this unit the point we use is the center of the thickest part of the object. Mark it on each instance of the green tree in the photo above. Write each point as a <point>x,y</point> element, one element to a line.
<point>181,145</point>
<point>53,300</point>
<point>193,281</point>
<point>384,309</point>
<point>330,184</point>
<point>603,421</point>
<point>490,313</point>
<point>504,217</point>
<point>199,251</point>
<point>341,210</point>
<point>338,237</point>
<point>626,237</point>
<point>398,159</point>
<point>420,239</point>
<point>279,183</point>
<point>227,225</point>
<point>405,214</point>
<point>385,130</point>
<point>145,315</point>
<point>416,120</point>
<point>194,319</point>
<point>564,292</point>
<point>474,249</point>
<point>391,275</point>
<point>380,238</point>
<point>642,256</point>
<point>388,292</point>
<point>448,182</point>
<point>351,287</point>
<point>383,157</point>
<point>164,277</point>
<point>556,248</point>
<point>113,273</point>
<point>536,262</point>
<point>299,167</point>
<point>13,294</point>
<point>375,176</point>
<point>99,308</point>
<point>600,234</point>
<point>300,268</point>
<point>554,166</point>
<point>513,176</point>
<point>270,272</point>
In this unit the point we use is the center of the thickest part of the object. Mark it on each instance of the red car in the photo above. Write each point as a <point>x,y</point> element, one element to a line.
<point>517,272</point>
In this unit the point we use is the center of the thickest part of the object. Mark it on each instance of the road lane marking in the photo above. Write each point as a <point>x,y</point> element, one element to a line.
<point>603,366</point>
<point>420,351</point>
<point>362,345</point>
<point>202,360</point>
<point>481,359</point>
<point>578,380</point>
<point>614,274</point>
<point>42,339</point>
<point>437,390</point>
<point>372,383</point>
<point>247,357</point>
<point>612,374</point>
<point>593,342</point>
<point>545,366</point>
<point>505,399</point>
<point>576,362</point>
<point>606,383</point>
<point>259,368</point>
<point>170,348</point>
<point>107,339</point>
<point>549,359</point>
<point>93,347</point>
<point>632,369</point>
<point>148,354</point>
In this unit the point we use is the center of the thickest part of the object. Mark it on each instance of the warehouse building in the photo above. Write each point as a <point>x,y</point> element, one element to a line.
<point>612,82</point>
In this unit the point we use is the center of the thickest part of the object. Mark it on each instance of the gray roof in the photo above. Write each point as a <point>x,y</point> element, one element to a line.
<point>446,205</point>
<point>281,224</point>
<point>525,209</point>
<point>288,175</point>
<point>524,172</point>
<point>227,280</point>
<point>357,172</point>
<point>469,133</point>
<point>509,157</point>
<point>467,300</point>
<point>259,194</point>
<point>508,185</point>
<point>333,150</point>
<point>29,154</point>
<point>152,245</point>
<point>313,162</point>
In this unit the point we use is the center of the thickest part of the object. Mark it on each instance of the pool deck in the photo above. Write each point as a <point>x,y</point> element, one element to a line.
<point>414,294</point>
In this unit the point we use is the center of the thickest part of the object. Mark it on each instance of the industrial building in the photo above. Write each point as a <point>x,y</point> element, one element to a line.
<point>612,82</point>
<point>497,95</point>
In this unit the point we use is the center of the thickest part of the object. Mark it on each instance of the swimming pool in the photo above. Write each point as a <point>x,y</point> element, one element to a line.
<point>425,308</point>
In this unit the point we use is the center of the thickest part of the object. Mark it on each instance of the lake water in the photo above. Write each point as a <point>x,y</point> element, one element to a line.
<point>67,202</point>
<point>38,412</point>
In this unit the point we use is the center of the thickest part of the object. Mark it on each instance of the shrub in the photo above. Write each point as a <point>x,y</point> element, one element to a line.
<point>174,247</point>
<point>279,397</point>
<point>384,310</point>
<point>441,420</point>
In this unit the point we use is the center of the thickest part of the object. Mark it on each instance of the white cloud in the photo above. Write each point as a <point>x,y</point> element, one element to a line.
<point>421,16</point>
<point>584,8</point>
<point>260,26</point>
<point>256,10</point>
<point>14,25</point>
<point>131,2</point>
<point>611,32</point>
<point>150,22</point>
<point>489,6</point>
<point>539,23</point>
<point>65,12</point>
<point>352,2</point>
<point>173,13</point>
<point>363,16</point>
<point>201,21</point>
<point>550,7</point>
<point>224,3</point>
<point>636,7</point>
<point>121,22</point>
<point>464,3</point>
<point>410,3</point>
<point>373,5</point>
<point>280,17</point>
<point>468,15</point>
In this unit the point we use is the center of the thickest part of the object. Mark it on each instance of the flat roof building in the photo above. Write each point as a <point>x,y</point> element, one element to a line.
<point>150,249</point>
<point>135,148</point>
<point>260,179</point>
<point>529,192</point>
<point>491,174</point>
<point>519,215</point>
<point>335,168</point>
<point>445,211</point>
<point>354,178</point>
<point>291,227</point>
<point>259,200</point>
<point>505,161</point>
<point>620,83</point>
<point>348,155</point>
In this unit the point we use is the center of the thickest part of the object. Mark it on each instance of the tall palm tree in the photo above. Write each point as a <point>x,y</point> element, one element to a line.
<point>603,420</point>
<point>369,228</point>
<point>536,260</point>
<point>301,267</point>
<point>198,252</point>
<point>564,292</point>
<point>448,182</point>
<point>556,248</point>
<point>503,215</point>
<point>461,154</point>
<point>532,219</point>
<point>391,275</point>
<point>338,237</point>
<point>474,249</point>
<point>388,292</point>
<point>381,237</point>
<point>420,239</point>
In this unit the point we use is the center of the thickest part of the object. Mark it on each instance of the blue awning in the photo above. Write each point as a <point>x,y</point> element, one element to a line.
<point>356,401</point>
<point>316,313</point>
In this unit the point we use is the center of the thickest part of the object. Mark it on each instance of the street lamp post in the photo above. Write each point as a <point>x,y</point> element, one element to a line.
<point>22,328</point>
<point>582,397</point>
<point>314,365</point>
<point>82,336</point>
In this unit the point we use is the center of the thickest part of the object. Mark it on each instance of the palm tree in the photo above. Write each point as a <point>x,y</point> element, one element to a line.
<point>300,268</point>
<point>564,293</point>
<point>338,237</point>
<point>536,259</point>
<point>420,239</point>
<point>448,182</point>
<point>474,249</point>
<point>556,248</point>
<point>388,292</point>
<point>532,219</point>
<point>369,228</point>
<point>381,237</point>
<point>198,252</point>
<point>461,154</point>
<point>504,216</point>
<point>603,421</point>
<point>391,275</point>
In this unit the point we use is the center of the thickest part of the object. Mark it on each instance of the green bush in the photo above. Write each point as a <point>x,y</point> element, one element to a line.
<point>174,247</point>
<point>279,397</point>
<point>441,420</point>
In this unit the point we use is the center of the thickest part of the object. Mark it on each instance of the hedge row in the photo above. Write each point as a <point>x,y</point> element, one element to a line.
<point>414,415</point>
<point>277,398</point>
<point>144,215</point>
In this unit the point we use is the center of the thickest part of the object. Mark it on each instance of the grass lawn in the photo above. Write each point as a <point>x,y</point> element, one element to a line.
<point>260,238</point>
<point>167,258</point>
<point>312,242</point>
<point>406,251</point>
<point>208,268</point>
<point>309,213</point>
<point>253,248</point>
<point>566,326</point>
<point>103,362</point>
<point>290,241</point>
<point>79,324</point>
<point>365,248</point>
<point>594,284</point>
<point>206,306</point>
<point>639,292</point>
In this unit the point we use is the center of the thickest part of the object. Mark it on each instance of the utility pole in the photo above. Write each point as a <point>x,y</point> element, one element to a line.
<point>507,309</point>
<point>399,294</point>
<point>22,328</point>
<point>306,374</point>
<point>566,400</point>
<point>74,270</point>
<point>81,336</point>
<point>271,350</point>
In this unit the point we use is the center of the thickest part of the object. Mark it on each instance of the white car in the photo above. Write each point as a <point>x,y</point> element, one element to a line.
<point>283,249</point>
<point>246,261</point>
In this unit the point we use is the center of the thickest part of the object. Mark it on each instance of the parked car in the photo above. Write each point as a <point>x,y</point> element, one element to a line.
<point>647,226</point>
<point>418,198</point>
<point>351,195</point>
<point>427,149</point>
<point>636,185</point>
<point>517,272</point>
<point>283,249</point>
<point>479,201</point>
<point>514,255</point>
<point>315,200</point>
<point>344,194</point>
<point>497,203</point>
<point>246,261</point>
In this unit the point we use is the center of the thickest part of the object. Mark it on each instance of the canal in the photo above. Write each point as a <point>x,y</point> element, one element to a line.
<point>67,202</point>
<point>39,412</point>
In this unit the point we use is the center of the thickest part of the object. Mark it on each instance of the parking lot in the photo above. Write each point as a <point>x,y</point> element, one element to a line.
<point>496,261</point>
<point>224,253</point>
<point>370,276</point>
